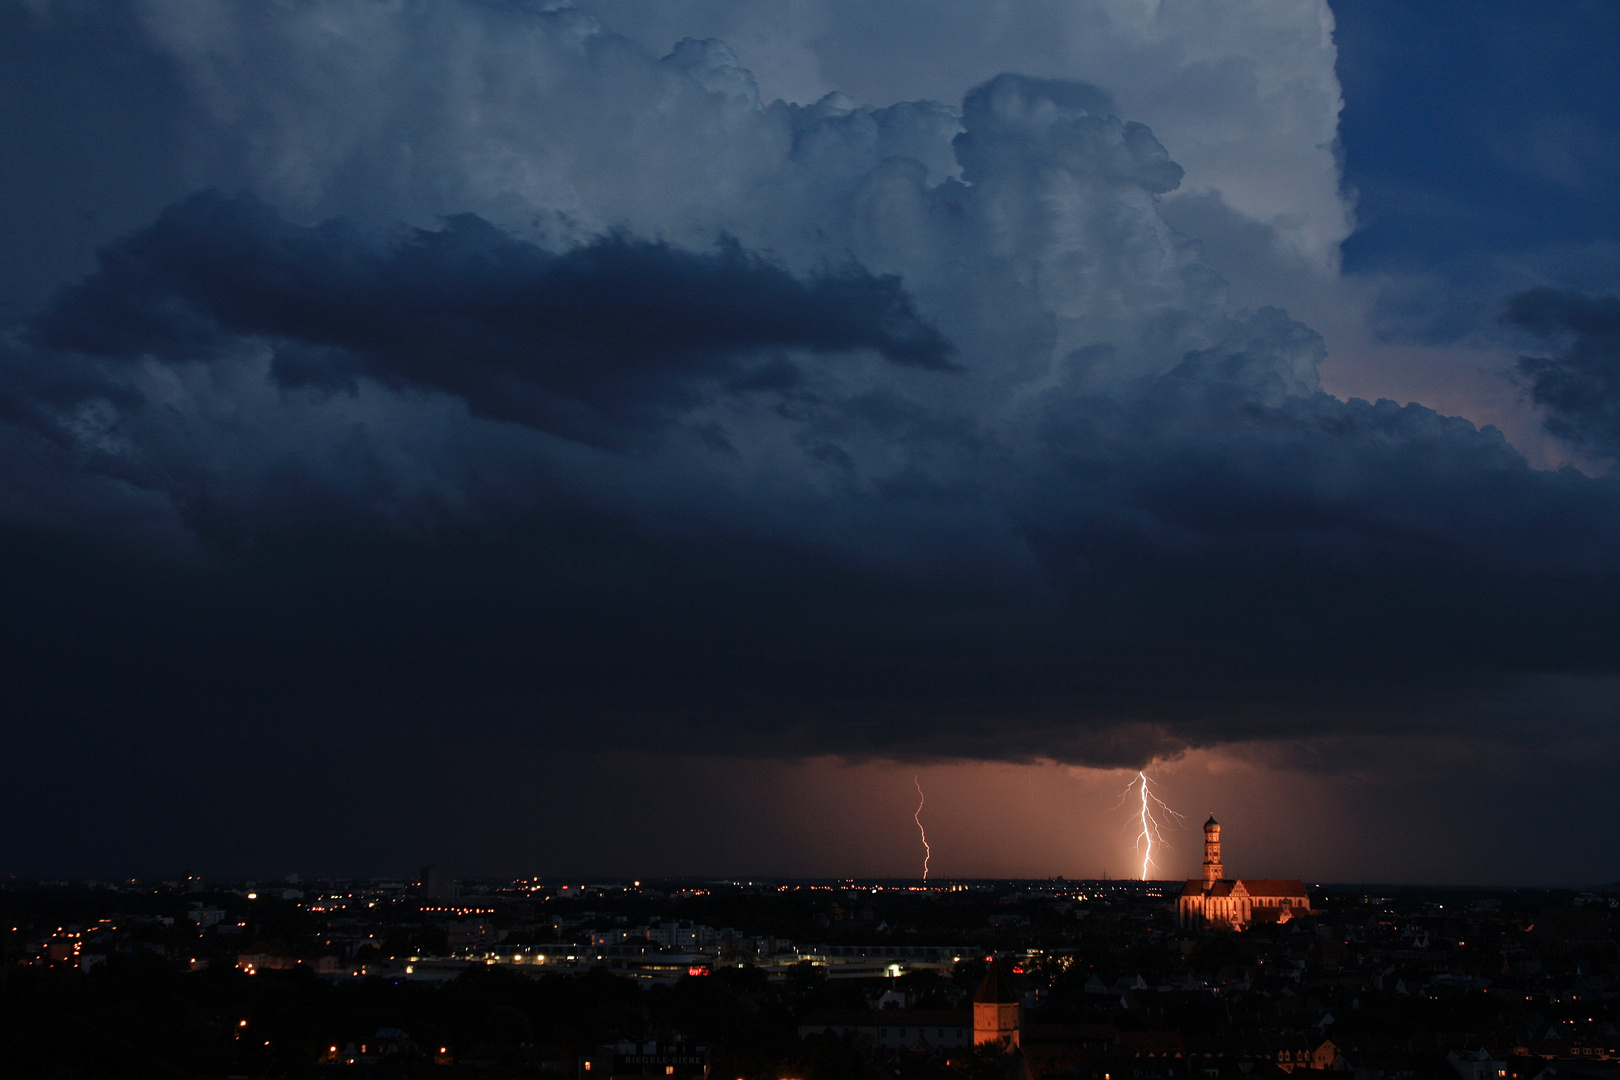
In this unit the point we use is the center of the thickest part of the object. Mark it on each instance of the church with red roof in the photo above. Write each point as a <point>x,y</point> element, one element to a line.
<point>1236,903</point>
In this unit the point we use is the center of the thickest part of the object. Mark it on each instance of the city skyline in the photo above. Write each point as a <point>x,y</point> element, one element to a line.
<point>1047,833</point>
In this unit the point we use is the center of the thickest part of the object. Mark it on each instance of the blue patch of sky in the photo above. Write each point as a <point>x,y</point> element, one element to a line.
<point>1483,136</point>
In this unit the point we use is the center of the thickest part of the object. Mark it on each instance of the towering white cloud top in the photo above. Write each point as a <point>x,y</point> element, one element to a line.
<point>1243,92</point>
<point>492,107</point>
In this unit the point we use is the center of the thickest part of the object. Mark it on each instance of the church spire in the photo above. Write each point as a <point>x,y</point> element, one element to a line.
<point>1213,871</point>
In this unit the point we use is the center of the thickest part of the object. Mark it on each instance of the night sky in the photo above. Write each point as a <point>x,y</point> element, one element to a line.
<point>640,437</point>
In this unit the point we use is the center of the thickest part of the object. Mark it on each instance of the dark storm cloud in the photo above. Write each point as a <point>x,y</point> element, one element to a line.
<point>262,476</point>
<point>1580,384</point>
<point>1213,555</point>
<point>609,333</point>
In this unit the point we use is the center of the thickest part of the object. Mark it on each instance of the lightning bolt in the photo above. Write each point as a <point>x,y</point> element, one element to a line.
<point>1148,828</point>
<point>928,852</point>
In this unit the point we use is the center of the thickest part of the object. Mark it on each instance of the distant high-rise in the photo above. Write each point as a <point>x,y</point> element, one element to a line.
<point>437,885</point>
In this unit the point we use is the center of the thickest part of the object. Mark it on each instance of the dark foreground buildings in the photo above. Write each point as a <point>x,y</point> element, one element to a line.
<point>803,981</point>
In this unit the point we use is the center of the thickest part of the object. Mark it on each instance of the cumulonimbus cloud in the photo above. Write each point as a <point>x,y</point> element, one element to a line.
<point>1010,480</point>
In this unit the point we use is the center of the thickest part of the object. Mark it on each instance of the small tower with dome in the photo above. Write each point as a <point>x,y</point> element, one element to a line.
<point>1212,850</point>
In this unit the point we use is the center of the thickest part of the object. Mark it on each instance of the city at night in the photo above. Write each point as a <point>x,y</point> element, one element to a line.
<point>809,539</point>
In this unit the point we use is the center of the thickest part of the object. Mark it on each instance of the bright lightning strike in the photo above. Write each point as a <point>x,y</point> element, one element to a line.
<point>1149,829</point>
<point>928,852</point>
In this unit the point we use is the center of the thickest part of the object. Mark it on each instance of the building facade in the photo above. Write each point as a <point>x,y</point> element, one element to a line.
<point>998,1012</point>
<point>1218,901</point>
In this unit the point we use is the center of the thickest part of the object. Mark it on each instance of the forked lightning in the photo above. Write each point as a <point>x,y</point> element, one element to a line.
<point>917,817</point>
<point>1149,829</point>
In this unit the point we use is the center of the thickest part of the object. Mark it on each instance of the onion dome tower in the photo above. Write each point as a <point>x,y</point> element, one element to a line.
<point>1213,871</point>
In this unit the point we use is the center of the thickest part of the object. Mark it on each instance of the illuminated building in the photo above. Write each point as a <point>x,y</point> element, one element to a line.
<point>652,1059</point>
<point>1216,900</point>
<point>997,1011</point>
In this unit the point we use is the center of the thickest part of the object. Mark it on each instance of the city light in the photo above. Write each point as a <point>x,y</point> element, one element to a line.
<point>667,949</point>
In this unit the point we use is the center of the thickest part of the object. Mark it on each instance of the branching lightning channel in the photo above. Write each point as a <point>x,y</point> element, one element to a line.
<point>928,852</point>
<point>1149,831</point>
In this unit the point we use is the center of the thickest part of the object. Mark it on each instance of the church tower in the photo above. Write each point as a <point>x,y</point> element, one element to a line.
<point>1237,903</point>
<point>997,1011</point>
<point>1213,871</point>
